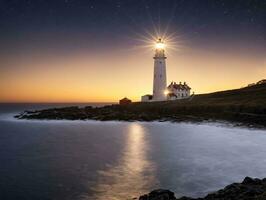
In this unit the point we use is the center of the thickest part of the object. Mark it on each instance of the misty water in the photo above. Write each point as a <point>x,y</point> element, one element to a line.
<point>72,160</point>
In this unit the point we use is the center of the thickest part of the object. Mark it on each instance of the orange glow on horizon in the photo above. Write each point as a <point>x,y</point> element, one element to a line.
<point>108,77</point>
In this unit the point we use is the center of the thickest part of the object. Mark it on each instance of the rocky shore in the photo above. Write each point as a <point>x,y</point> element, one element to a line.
<point>249,189</point>
<point>245,106</point>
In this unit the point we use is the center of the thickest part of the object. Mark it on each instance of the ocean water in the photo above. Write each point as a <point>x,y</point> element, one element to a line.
<point>85,160</point>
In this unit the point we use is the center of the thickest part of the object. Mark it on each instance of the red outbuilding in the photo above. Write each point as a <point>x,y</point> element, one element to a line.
<point>125,101</point>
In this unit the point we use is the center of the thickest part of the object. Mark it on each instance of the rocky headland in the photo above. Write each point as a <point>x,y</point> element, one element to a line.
<point>249,189</point>
<point>245,106</point>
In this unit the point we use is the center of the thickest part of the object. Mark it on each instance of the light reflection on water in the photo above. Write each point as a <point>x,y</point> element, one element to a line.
<point>73,160</point>
<point>134,172</point>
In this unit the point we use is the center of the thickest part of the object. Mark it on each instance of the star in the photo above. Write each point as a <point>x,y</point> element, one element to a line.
<point>225,12</point>
<point>251,19</point>
<point>118,6</point>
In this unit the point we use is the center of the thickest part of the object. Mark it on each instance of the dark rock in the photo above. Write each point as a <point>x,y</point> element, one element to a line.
<point>159,194</point>
<point>248,180</point>
<point>249,189</point>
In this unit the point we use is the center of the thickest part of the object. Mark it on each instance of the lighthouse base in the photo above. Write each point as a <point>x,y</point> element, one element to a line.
<point>149,98</point>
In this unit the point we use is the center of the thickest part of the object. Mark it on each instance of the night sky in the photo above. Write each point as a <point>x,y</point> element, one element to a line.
<point>34,31</point>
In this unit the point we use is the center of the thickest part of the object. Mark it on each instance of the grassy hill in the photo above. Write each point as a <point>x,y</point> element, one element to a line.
<point>246,105</point>
<point>248,98</point>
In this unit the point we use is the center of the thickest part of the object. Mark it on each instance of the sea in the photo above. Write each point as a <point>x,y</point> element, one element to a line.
<point>94,160</point>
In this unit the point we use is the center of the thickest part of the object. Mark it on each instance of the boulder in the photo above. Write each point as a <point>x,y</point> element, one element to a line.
<point>159,194</point>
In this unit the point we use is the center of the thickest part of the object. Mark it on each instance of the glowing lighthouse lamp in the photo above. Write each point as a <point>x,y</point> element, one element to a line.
<point>159,44</point>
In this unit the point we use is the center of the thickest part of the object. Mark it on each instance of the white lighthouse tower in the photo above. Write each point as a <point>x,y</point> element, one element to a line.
<point>160,90</point>
<point>159,75</point>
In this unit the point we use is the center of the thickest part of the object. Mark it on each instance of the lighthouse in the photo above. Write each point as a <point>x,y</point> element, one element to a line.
<point>162,92</point>
<point>159,73</point>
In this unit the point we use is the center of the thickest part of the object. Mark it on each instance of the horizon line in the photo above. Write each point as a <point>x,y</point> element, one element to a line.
<point>36,102</point>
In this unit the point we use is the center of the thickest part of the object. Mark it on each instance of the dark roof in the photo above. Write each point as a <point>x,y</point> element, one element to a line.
<point>125,99</point>
<point>179,86</point>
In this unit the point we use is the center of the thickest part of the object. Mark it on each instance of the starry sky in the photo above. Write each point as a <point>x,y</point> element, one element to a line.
<point>98,50</point>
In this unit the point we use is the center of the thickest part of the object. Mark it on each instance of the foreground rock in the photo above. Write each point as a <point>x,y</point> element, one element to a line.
<point>159,194</point>
<point>249,189</point>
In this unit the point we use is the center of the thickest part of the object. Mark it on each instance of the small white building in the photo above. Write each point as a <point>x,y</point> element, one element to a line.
<point>178,91</point>
<point>146,98</point>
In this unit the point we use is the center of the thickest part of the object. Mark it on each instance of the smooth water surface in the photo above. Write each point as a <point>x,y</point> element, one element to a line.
<point>71,160</point>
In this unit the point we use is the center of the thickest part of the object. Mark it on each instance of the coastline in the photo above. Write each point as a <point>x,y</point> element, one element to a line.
<point>222,123</point>
<point>93,114</point>
<point>242,107</point>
